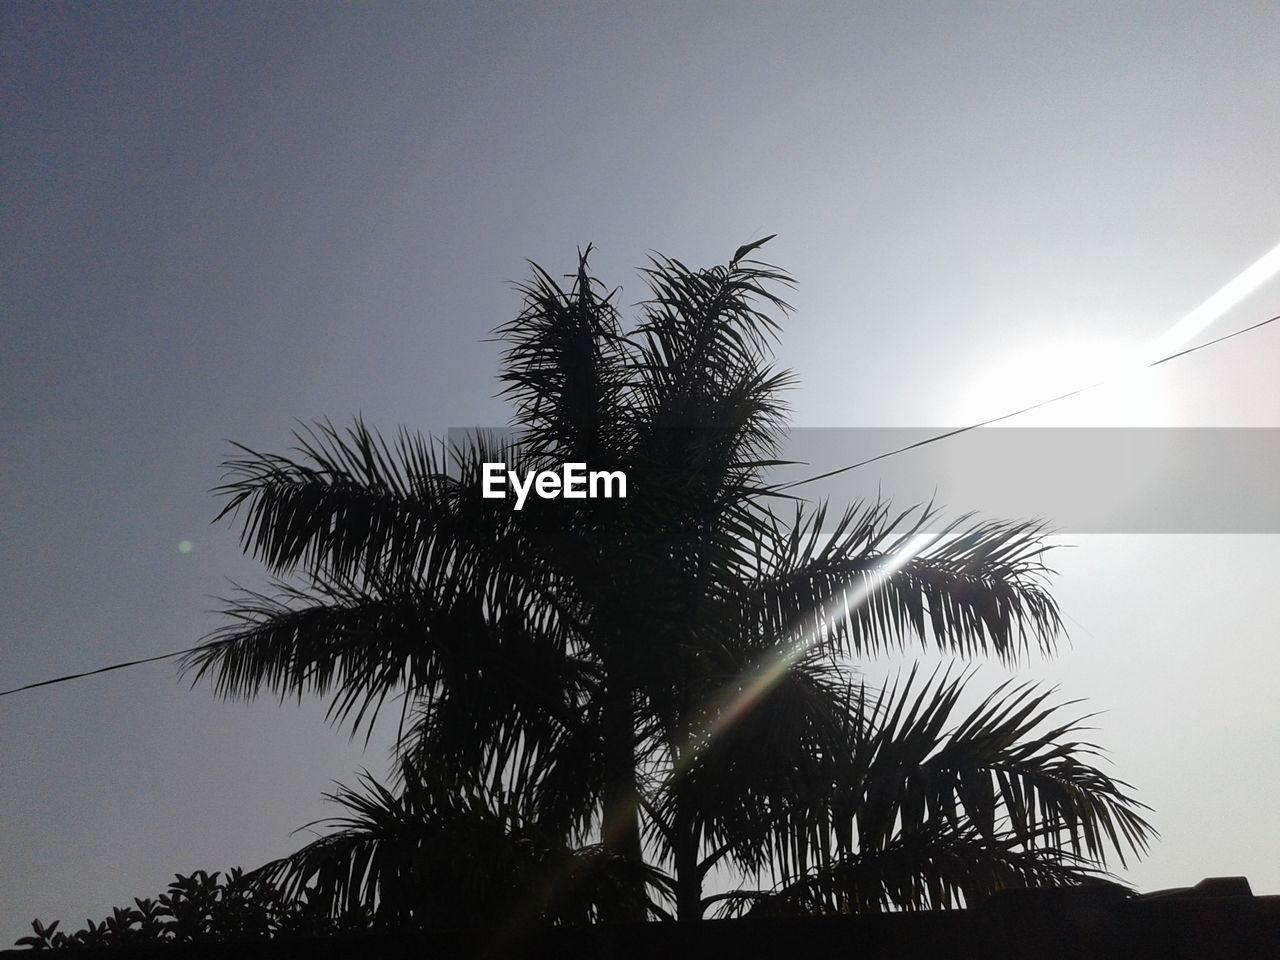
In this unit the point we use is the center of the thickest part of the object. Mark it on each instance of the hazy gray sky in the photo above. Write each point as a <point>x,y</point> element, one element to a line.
<point>219,218</point>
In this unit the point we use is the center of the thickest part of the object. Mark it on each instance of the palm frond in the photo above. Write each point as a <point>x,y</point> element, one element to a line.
<point>349,505</point>
<point>936,868</point>
<point>877,580</point>
<point>957,804</point>
<point>999,764</point>
<point>565,370</point>
<point>705,393</point>
<point>360,644</point>
<point>436,852</point>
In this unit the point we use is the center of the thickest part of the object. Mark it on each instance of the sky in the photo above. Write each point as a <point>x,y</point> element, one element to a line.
<point>219,219</point>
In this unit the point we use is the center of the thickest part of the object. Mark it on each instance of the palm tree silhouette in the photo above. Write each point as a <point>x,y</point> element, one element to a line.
<point>617,697</point>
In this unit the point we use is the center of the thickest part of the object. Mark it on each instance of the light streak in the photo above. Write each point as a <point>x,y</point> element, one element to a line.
<point>1250,280</point>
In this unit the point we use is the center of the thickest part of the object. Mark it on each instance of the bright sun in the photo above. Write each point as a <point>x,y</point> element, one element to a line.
<point>1130,395</point>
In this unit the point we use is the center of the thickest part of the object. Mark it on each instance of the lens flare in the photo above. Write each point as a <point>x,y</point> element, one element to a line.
<point>738,698</point>
<point>1202,317</point>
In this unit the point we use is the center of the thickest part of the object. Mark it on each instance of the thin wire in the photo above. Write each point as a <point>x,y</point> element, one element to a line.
<point>114,666</point>
<point>1016,413</point>
<point>821,476</point>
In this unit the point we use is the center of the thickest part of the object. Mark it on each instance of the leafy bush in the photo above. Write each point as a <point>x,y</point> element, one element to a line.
<point>201,907</point>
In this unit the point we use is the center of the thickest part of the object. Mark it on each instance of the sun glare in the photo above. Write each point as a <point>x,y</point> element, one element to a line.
<point>1127,395</point>
<point>1121,391</point>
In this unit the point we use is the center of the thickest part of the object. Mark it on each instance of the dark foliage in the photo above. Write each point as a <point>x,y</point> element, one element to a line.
<point>604,701</point>
<point>200,908</point>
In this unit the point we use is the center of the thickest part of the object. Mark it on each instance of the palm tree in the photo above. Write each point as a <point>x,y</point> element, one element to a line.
<point>659,684</point>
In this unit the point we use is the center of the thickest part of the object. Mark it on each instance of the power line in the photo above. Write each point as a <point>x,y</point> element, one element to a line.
<point>114,666</point>
<point>1017,413</point>
<point>822,476</point>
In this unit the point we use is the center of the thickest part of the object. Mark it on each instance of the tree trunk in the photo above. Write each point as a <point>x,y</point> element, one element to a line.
<point>688,869</point>
<point>620,823</point>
